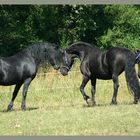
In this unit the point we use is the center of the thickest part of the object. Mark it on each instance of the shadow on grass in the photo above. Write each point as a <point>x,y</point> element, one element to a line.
<point>106,104</point>
<point>71,106</point>
<point>14,110</point>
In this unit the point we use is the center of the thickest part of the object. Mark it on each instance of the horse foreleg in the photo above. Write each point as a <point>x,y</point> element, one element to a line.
<point>10,106</point>
<point>24,93</point>
<point>84,82</point>
<point>116,86</point>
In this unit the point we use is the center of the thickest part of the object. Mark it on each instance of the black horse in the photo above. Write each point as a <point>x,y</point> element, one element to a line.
<point>22,67</point>
<point>98,64</point>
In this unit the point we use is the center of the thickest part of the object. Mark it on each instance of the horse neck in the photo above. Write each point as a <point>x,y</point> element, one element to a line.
<point>34,52</point>
<point>81,51</point>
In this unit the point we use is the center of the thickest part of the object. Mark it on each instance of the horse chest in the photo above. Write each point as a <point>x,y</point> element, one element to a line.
<point>29,70</point>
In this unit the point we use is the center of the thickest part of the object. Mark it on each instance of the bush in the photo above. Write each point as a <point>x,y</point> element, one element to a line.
<point>125,21</point>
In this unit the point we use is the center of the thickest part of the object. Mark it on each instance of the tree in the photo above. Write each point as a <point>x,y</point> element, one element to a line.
<point>19,27</point>
<point>124,27</point>
<point>104,25</point>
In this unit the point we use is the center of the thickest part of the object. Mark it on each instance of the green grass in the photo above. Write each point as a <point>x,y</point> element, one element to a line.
<point>55,107</point>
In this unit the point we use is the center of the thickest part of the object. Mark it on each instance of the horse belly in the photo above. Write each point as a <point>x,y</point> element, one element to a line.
<point>9,78</point>
<point>104,77</point>
<point>102,74</point>
<point>9,81</point>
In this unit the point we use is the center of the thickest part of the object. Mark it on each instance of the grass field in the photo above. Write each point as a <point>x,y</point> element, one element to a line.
<point>56,107</point>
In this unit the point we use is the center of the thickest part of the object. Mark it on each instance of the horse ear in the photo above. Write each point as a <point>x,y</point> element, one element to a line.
<point>62,51</point>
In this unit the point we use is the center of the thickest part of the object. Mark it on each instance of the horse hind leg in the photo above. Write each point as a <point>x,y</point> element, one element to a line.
<point>93,90</point>
<point>10,106</point>
<point>116,86</point>
<point>24,93</point>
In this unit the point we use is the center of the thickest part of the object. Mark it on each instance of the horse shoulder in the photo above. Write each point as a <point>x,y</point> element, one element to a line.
<point>29,65</point>
<point>84,67</point>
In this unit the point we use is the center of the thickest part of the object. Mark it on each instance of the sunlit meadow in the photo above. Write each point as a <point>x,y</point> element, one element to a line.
<point>55,107</point>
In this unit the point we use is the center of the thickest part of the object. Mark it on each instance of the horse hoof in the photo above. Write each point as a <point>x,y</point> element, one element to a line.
<point>9,108</point>
<point>91,102</point>
<point>135,102</point>
<point>23,107</point>
<point>113,103</point>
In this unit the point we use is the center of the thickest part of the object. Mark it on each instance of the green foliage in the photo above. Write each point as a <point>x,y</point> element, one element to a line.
<point>125,21</point>
<point>19,27</point>
<point>64,41</point>
<point>81,22</point>
<point>103,25</point>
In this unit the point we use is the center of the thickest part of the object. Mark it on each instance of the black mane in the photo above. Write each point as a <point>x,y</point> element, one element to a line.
<point>36,50</point>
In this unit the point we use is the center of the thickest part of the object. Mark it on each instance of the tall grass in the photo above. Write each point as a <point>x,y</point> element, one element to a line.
<point>55,107</point>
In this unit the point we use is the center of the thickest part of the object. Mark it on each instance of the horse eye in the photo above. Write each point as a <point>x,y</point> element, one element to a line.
<point>56,48</point>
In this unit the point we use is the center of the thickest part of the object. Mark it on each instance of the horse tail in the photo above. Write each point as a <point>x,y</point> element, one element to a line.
<point>131,77</point>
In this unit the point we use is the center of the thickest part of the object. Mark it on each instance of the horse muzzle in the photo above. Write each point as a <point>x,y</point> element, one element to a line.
<point>63,71</point>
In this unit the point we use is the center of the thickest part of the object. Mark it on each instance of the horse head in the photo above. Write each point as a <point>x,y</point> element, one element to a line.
<point>67,62</point>
<point>52,54</point>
